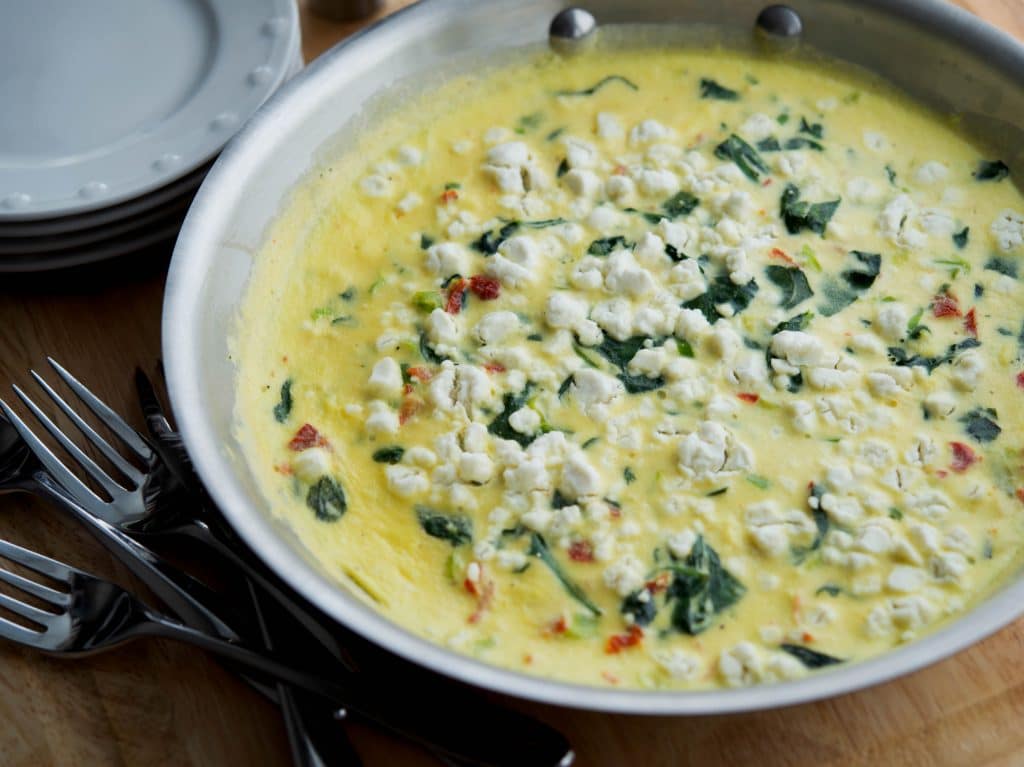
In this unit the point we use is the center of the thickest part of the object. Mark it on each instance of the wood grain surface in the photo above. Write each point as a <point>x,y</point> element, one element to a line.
<point>157,703</point>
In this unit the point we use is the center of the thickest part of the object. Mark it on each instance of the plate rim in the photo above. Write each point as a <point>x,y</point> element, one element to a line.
<point>280,61</point>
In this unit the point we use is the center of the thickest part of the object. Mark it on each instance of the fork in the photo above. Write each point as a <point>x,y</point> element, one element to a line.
<point>156,486</point>
<point>92,615</point>
<point>471,730</point>
<point>150,506</point>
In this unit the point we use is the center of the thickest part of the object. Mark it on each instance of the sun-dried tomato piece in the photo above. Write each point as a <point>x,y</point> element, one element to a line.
<point>485,288</point>
<point>581,551</point>
<point>946,305</point>
<point>305,438</point>
<point>420,374</point>
<point>456,296</point>
<point>971,323</point>
<point>963,457</point>
<point>618,642</point>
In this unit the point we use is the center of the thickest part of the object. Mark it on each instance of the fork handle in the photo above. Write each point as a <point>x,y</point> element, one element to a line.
<point>496,737</point>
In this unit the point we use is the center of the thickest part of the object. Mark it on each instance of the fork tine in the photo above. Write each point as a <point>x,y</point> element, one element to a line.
<point>39,563</point>
<point>102,411</point>
<point>16,633</point>
<point>83,460</point>
<point>104,447</point>
<point>60,472</point>
<point>26,611</point>
<point>48,595</point>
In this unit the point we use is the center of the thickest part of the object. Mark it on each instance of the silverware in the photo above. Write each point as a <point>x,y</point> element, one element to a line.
<point>151,508</point>
<point>132,508</point>
<point>21,471</point>
<point>93,615</point>
<point>464,728</point>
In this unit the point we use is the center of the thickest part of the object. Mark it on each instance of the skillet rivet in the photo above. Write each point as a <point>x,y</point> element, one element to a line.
<point>570,28</point>
<point>779,22</point>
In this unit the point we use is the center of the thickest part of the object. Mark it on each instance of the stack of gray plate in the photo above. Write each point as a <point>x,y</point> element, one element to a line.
<point>112,111</point>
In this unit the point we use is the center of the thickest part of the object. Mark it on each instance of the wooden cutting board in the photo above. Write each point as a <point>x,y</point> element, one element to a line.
<point>157,703</point>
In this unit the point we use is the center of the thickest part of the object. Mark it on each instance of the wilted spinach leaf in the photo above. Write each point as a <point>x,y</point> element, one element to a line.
<point>810,658</point>
<point>709,89</point>
<point>679,204</point>
<point>599,85</point>
<point>723,290</point>
<point>327,499</point>
<point>391,454</point>
<point>960,238</point>
<point>770,144</point>
<point>862,276</point>
<point>745,156</point>
<point>283,408</point>
<point>488,242</point>
<point>619,353</point>
<point>500,427</point>
<point>797,322</point>
<point>606,245</point>
<point>812,129</point>
<point>427,352</point>
<point>792,282</point>
<point>559,501</point>
<point>798,214</point>
<point>1003,266</point>
<point>853,281</point>
<point>991,170</point>
<point>541,224</point>
<point>640,607</point>
<point>638,384</point>
<point>981,424</point>
<point>456,529</point>
<point>900,357</point>
<point>539,548</point>
<point>799,142</point>
<point>701,589</point>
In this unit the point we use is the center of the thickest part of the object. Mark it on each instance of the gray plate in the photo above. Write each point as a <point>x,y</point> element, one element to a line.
<point>163,228</point>
<point>112,216</point>
<point>41,246</point>
<point>112,99</point>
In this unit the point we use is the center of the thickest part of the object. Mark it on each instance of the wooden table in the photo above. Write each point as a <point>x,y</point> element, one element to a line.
<point>161,703</point>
